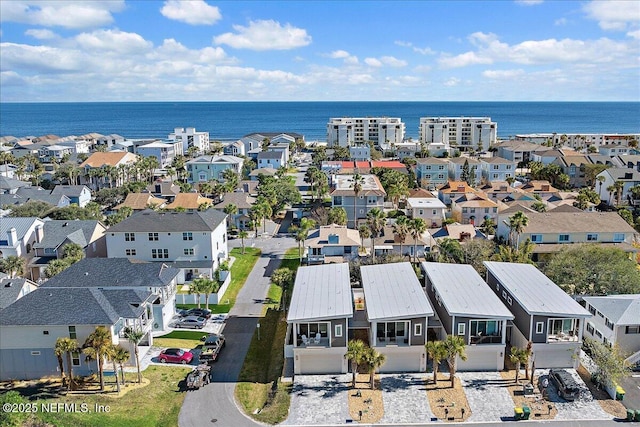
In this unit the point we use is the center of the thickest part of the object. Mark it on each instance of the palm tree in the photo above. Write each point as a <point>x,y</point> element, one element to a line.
<point>96,346</point>
<point>120,356</point>
<point>207,286</point>
<point>401,229</point>
<point>355,353</point>
<point>230,209</point>
<point>135,336</point>
<point>358,181</point>
<point>73,251</point>
<point>66,346</point>
<point>518,356</point>
<point>488,227</point>
<point>455,348</point>
<point>199,287</point>
<point>111,355</point>
<point>611,190</point>
<point>373,361</point>
<point>13,265</point>
<point>376,220</point>
<point>417,226</point>
<point>364,233</point>
<point>517,222</point>
<point>619,186</point>
<point>242,234</point>
<point>437,353</point>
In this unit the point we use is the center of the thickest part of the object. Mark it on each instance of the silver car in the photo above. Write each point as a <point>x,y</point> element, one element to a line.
<point>192,322</point>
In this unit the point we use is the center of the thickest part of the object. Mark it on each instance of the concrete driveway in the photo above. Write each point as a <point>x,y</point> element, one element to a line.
<point>583,408</point>
<point>319,400</point>
<point>488,396</point>
<point>405,399</point>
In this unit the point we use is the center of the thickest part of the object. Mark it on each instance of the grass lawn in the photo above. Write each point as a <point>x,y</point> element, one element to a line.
<point>180,339</point>
<point>157,404</point>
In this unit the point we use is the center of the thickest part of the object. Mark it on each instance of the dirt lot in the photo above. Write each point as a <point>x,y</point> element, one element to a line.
<point>609,405</point>
<point>541,409</point>
<point>443,398</point>
<point>369,401</point>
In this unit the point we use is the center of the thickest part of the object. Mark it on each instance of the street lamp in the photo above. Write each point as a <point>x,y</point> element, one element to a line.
<point>258,326</point>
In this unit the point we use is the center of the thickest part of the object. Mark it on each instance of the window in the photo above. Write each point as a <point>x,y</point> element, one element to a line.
<point>72,332</point>
<point>35,353</point>
<point>159,253</point>
<point>75,358</point>
<point>563,238</point>
<point>130,252</point>
<point>338,331</point>
<point>509,300</point>
<point>598,334</point>
<point>420,212</point>
<point>485,331</point>
<point>417,329</point>
<point>608,323</point>
<point>590,328</point>
<point>461,327</point>
<point>592,237</point>
<point>504,295</point>
<point>536,238</point>
<point>129,237</point>
<point>562,327</point>
<point>592,310</point>
<point>539,327</point>
<point>618,237</point>
<point>186,236</point>
<point>188,251</point>
<point>337,201</point>
<point>392,331</point>
<point>153,237</point>
<point>311,329</point>
<point>635,329</point>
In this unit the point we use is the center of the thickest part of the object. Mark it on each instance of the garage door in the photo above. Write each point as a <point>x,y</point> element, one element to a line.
<point>321,364</point>
<point>401,363</point>
<point>479,360</point>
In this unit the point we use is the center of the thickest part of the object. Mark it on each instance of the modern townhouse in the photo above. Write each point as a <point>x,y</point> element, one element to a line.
<point>208,168</point>
<point>518,151</point>
<point>497,169</point>
<point>457,167</point>
<point>141,201</point>
<point>463,133</point>
<point>14,288</point>
<point>243,203</point>
<point>332,243</point>
<point>163,151</point>
<point>615,321</point>
<point>189,137</point>
<point>78,145</point>
<point>271,159</point>
<point>474,208</point>
<point>78,194</point>
<point>318,320</point>
<point>18,235</point>
<point>194,242</point>
<point>430,209</point>
<point>630,177</point>
<point>543,314</point>
<point>108,141</point>
<point>432,172</point>
<point>370,196</point>
<point>54,153</point>
<point>397,313</point>
<point>384,132</point>
<point>30,327</point>
<point>359,153</point>
<point>466,307</point>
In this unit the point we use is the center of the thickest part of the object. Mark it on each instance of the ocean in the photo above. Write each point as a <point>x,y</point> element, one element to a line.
<point>232,120</point>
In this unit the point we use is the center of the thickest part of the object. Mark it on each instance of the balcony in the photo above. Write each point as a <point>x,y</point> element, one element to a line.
<point>315,259</point>
<point>485,339</point>
<point>562,337</point>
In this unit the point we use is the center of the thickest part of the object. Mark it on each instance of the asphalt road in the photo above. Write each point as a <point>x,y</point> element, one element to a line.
<point>631,386</point>
<point>214,404</point>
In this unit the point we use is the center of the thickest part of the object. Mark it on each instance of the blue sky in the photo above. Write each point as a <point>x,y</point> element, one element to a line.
<point>146,50</point>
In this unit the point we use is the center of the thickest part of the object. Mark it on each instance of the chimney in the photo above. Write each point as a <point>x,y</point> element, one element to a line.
<point>460,189</point>
<point>544,187</point>
<point>12,236</point>
<point>39,233</point>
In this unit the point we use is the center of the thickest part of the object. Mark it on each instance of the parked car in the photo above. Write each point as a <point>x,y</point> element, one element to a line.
<point>198,312</point>
<point>193,322</point>
<point>567,386</point>
<point>175,355</point>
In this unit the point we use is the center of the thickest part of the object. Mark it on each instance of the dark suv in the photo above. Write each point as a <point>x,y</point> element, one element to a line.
<point>567,386</point>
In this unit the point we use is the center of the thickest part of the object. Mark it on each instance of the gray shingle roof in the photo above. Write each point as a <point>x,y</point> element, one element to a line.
<point>113,273</point>
<point>534,291</point>
<point>463,292</point>
<point>270,155</point>
<point>146,221</point>
<point>77,231</point>
<point>620,309</point>
<point>392,291</point>
<point>69,306</point>
<point>22,225</point>
<point>321,292</point>
<point>10,289</point>
<point>10,183</point>
<point>69,190</point>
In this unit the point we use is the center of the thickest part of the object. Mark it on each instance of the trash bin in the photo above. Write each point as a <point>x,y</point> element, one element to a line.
<point>637,415</point>
<point>526,412</point>
<point>619,393</point>
<point>630,414</point>
<point>518,413</point>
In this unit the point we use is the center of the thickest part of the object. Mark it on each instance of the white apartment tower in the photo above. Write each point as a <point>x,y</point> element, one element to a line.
<point>190,138</point>
<point>463,133</point>
<point>349,131</point>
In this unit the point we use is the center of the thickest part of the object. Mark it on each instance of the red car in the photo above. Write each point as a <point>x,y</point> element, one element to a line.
<point>175,355</point>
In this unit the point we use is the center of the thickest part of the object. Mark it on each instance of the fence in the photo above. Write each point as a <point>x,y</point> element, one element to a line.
<point>213,298</point>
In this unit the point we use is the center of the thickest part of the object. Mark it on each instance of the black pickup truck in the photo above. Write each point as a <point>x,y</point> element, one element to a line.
<point>211,348</point>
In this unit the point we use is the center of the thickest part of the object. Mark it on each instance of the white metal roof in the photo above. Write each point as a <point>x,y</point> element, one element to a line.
<point>392,291</point>
<point>321,292</point>
<point>534,291</point>
<point>463,292</point>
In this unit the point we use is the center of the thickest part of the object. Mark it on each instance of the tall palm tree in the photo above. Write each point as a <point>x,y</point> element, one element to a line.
<point>242,234</point>
<point>207,286</point>
<point>135,336</point>
<point>66,346</point>
<point>619,187</point>
<point>230,209</point>
<point>455,348</point>
<point>96,346</point>
<point>13,266</point>
<point>417,227</point>
<point>401,229</point>
<point>437,353</point>
<point>373,361</point>
<point>517,222</point>
<point>199,287</point>
<point>376,220</point>
<point>518,356</point>
<point>611,190</point>
<point>120,356</point>
<point>364,233</point>
<point>357,184</point>
<point>111,355</point>
<point>355,353</point>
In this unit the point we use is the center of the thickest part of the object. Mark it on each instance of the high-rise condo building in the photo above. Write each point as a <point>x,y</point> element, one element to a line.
<point>462,133</point>
<point>348,131</point>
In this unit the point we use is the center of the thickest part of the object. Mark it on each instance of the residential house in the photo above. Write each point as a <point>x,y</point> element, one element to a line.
<point>397,311</point>
<point>163,151</point>
<point>359,153</point>
<point>544,314</point>
<point>520,152</point>
<point>615,321</point>
<point>255,174</point>
<point>467,308</point>
<point>630,177</point>
<point>573,166</point>
<point>332,243</point>
<point>108,141</point>
<point>318,319</point>
<point>18,235</point>
<point>141,201</point>
<point>497,190</point>
<point>207,168</point>
<point>78,194</point>
<point>547,156</point>
<point>282,146</point>
<point>389,242</point>
<point>614,150</point>
<point>54,153</point>
<point>77,144</point>
<point>430,209</point>
<point>473,208</point>
<point>30,327</point>
<point>243,202</point>
<point>235,148</point>
<point>26,194</point>
<point>456,169</point>
<point>271,159</point>
<point>190,138</point>
<point>541,188</point>
<point>164,190</point>
<point>456,231</point>
<point>497,169</point>
<point>104,161</point>
<point>432,172</point>
<point>8,170</point>
<point>370,196</point>
<point>195,242</point>
<point>14,288</point>
<point>453,190</point>
<point>189,201</point>
<point>11,186</point>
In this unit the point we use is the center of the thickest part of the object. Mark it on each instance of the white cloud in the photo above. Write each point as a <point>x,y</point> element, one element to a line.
<point>634,34</point>
<point>113,41</point>
<point>67,14</point>
<point>265,35</point>
<point>614,15</point>
<point>385,60</point>
<point>422,51</point>
<point>502,74</point>
<point>41,34</point>
<point>452,81</point>
<point>345,56</point>
<point>560,22</point>
<point>373,62</point>
<point>40,59</point>
<point>529,2</point>
<point>463,60</point>
<point>192,12</point>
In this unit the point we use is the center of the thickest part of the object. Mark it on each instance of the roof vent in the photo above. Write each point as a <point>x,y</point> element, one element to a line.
<point>8,285</point>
